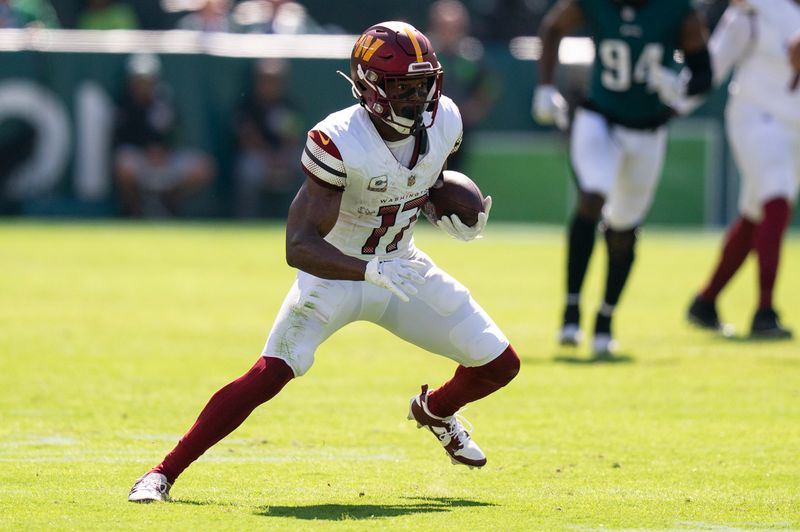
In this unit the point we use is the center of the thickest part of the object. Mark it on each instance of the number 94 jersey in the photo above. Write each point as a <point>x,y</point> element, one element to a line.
<point>381,198</point>
<point>629,39</point>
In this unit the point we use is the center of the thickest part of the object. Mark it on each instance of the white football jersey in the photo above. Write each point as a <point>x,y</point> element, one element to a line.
<point>381,198</point>
<point>753,38</point>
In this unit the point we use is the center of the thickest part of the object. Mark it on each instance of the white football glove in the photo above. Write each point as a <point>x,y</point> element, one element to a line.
<point>550,107</point>
<point>687,105</point>
<point>396,275</point>
<point>670,86</point>
<point>453,226</point>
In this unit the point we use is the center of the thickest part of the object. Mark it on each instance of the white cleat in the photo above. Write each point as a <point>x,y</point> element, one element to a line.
<point>450,432</point>
<point>603,345</point>
<point>152,487</point>
<point>570,334</point>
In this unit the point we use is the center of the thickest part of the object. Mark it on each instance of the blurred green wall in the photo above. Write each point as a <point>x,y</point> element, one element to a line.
<point>529,177</point>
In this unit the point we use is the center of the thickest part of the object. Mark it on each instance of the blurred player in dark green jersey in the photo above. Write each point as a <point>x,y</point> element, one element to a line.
<point>619,134</point>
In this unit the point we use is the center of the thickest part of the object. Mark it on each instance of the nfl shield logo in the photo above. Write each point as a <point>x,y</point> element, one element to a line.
<point>411,180</point>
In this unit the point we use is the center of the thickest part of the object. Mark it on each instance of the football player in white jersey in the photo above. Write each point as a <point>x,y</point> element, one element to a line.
<point>760,39</point>
<point>349,233</point>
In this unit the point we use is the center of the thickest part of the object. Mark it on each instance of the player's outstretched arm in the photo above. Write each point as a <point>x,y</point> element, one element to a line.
<point>563,18</point>
<point>694,43</point>
<point>731,39</point>
<point>681,90</point>
<point>312,215</point>
<point>548,105</point>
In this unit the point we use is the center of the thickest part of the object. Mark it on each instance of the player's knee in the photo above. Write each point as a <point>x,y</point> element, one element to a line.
<point>512,364</point>
<point>590,206</point>
<point>778,208</point>
<point>262,381</point>
<point>266,367</point>
<point>502,369</point>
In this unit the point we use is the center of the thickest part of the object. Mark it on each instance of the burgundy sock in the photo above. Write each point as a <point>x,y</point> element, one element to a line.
<point>225,411</point>
<point>738,243</point>
<point>769,235</point>
<point>471,384</point>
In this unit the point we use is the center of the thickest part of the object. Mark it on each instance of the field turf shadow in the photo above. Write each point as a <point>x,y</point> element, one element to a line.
<point>594,360</point>
<point>341,512</point>
<point>747,339</point>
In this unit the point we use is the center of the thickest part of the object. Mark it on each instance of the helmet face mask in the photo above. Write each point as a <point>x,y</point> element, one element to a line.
<point>408,98</point>
<point>396,76</point>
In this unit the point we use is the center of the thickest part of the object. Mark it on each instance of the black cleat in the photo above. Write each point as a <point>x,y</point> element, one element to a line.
<point>704,314</point>
<point>767,325</point>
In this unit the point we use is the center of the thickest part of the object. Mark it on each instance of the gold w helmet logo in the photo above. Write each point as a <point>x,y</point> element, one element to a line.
<point>367,45</point>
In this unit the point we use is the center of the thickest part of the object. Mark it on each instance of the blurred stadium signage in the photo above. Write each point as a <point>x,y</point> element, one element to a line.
<point>42,110</point>
<point>60,85</point>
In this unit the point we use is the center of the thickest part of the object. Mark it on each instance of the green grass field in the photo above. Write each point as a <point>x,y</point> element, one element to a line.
<point>113,336</point>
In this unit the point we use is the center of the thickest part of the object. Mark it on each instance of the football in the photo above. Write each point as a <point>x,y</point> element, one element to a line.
<point>456,194</point>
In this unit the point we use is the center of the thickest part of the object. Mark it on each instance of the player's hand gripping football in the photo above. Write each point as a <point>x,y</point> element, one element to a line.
<point>453,226</point>
<point>399,276</point>
<point>550,107</point>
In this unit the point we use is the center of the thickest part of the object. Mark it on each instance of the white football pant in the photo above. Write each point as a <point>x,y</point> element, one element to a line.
<point>767,152</point>
<point>442,318</point>
<point>622,164</point>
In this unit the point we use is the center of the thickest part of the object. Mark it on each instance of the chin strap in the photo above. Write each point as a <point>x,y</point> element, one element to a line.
<point>356,94</point>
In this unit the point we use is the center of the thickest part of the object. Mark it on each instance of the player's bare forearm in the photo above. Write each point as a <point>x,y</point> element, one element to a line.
<point>694,33</point>
<point>562,19</point>
<point>547,63</point>
<point>314,255</point>
<point>794,52</point>
<point>312,215</point>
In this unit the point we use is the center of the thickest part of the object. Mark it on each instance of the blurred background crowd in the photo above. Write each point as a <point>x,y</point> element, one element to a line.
<point>493,19</point>
<point>208,135</point>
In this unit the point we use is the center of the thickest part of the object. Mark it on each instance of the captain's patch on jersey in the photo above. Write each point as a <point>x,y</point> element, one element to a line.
<point>378,184</point>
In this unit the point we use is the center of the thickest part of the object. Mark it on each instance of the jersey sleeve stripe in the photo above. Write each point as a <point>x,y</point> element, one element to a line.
<point>320,182</point>
<point>322,172</point>
<point>337,168</point>
<point>322,160</point>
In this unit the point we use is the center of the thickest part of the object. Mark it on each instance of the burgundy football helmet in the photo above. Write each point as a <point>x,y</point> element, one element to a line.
<point>396,75</point>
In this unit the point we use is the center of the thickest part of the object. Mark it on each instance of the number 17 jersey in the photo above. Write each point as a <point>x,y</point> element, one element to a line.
<point>629,39</point>
<point>381,198</point>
